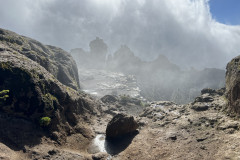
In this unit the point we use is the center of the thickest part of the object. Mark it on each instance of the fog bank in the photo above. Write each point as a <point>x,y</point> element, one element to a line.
<point>182,30</point>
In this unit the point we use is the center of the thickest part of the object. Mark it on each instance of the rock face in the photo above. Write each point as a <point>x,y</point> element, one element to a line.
<point>55,60</point>
<point>36,92</point>
<point>95,58</point>
<point>233,85</point>
<point>120,125</point>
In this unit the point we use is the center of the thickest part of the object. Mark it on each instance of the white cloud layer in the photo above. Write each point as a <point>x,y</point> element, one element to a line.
<point>183,30</point>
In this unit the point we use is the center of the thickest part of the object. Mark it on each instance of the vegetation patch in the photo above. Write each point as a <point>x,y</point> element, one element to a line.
<point>45,121</point>
<point>4,95</point>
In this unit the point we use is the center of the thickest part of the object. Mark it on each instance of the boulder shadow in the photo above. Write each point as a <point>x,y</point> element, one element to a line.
<point>119,144</point>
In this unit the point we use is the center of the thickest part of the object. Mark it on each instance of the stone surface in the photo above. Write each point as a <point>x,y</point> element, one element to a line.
<point>55,60</point>
<point>100,156</point>
<point>36,92</point>
<point>233,85</point>
<point>200,107</point>
<point>120,125</point>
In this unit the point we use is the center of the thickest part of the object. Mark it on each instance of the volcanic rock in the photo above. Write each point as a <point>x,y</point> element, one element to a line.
<point>233,85</point>
<point>36,91</point>
<point>55,60</point>
<point>120,125</point>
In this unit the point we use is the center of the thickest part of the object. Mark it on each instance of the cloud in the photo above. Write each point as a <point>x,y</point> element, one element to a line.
<point>183,30</point>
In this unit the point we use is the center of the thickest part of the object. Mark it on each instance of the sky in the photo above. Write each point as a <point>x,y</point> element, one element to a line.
<point>226,11</point>
<point>191,33</point>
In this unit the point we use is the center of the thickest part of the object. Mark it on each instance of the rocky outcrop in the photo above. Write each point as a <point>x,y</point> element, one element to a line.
<point>55,60</point>
<point>34,93</point>
<point>98,51</point>
<point>95,58</point>
<point>233,85</point>
<point>120,125</point>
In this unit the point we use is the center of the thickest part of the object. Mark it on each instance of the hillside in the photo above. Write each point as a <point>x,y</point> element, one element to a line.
<point>40,102</point>
<point>44,115</point>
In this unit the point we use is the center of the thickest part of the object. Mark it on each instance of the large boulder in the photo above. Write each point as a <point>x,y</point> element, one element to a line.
<point>233,85</point>
<point>55,60</point>
<point>120,125</point>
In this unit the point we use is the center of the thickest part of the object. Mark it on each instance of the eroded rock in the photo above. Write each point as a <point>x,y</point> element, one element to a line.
<point>120,125</point>
<point>233,85</point>
<point>55,60</point>
<point>34,93</point>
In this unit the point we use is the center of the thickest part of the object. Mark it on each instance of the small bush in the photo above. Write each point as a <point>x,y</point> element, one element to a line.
<point>4,95</point>
<point>45,121</point>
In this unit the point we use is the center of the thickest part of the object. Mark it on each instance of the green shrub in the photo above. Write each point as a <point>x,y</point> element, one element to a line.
<point>4,95</point>
<point>45,121</point>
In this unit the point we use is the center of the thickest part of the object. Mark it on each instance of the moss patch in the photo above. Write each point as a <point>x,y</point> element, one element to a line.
<point>4,94</point>
<point>45,121</point>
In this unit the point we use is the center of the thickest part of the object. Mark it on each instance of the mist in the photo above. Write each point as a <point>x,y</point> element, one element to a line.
<point>152,49</point>
<point>184,30</point>
<point>123,73</point>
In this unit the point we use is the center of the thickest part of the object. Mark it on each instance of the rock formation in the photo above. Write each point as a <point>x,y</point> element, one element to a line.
<point>120,125</point>
<point>95,58</point>
<point>55,60</point>
<point>33,78</point>
<point>233,85</point>
<point>98,50</point>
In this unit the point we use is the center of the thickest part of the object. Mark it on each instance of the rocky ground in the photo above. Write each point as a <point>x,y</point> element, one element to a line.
<point>40,81</point>
<point>200,130</point>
